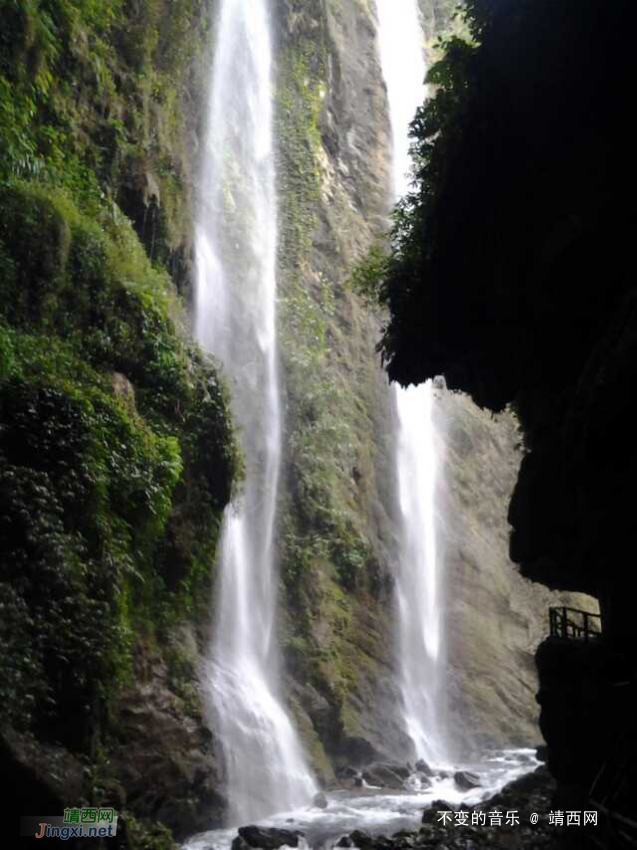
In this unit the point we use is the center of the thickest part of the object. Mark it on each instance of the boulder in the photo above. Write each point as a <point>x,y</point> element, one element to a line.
<point>320,801</point>
<point>266,838</point>
<point>423,778</point>
<point>384,775</point>
<point>346,772</point>
<point>466,780</point>
<point>402,770</point>
<point>423,767</point>
<point>361,839</point>
<point>403,835</point>
<point>431,815</point>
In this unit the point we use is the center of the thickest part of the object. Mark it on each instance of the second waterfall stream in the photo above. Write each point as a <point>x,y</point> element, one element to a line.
<point>236,242</point>
<point>417,452</point>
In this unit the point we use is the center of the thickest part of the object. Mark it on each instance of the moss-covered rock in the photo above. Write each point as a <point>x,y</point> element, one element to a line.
<point>335,533</point>
<point>116,461</point>
<point>117,455</point>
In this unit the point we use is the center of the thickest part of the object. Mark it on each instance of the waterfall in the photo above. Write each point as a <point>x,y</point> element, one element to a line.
<point>418,579</point>
<point>235,319</point>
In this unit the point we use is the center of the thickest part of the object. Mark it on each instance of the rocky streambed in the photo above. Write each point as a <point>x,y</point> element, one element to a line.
<point>504,801</point>
<point>506,820</point>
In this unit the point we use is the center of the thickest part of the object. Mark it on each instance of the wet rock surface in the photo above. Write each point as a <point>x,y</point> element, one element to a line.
<point>320,801</point>
<point>503,821</point>
<point>423,767</point>
<point>466,780</point>
<point>266,838</point>
<point>163,765</point>
<point>386,775</point>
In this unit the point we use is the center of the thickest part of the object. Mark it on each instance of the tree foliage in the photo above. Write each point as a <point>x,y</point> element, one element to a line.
<point>518,158</point>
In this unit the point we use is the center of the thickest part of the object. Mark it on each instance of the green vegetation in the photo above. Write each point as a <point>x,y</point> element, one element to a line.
<point>301,72</point>
<point>117,454</point>
<point>113,429</point>
<point>140,836</point>
<point>319,434</point>
<point>90,101</point>
<point>327,563</point>
<point>366,276</point>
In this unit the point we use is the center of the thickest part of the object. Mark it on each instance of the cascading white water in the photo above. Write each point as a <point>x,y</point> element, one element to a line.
<point>236,241</point>
<point>418,580</point>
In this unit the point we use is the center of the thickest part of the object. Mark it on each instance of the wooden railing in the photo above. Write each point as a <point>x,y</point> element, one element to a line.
<point>573,624</point>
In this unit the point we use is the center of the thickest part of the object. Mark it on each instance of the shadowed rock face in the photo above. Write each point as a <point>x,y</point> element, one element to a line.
<point>538,307</point>
<point>538,310</point>
<point>495,617</point>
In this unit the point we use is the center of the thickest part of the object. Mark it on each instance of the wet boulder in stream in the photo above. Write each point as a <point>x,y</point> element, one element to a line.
<point>346,772</point>
<point>265,838</point>
<point>385,775</point>
<point>431,815</point>
<point>423,767</point>
<point>423,779</point>
<point>320,801</point>
<point>358,838</point>
<point>466,780</point>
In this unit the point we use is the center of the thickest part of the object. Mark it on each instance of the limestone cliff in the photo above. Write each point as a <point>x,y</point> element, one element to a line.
<point>336,533</point>
<point>495,618</point>
<point>116,447</point>
<point>338,536</point>
<point>537,311</point>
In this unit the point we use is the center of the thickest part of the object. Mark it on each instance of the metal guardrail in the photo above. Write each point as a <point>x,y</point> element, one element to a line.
<point>573,624</point>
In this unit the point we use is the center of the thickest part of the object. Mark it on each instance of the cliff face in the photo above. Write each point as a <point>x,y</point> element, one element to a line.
<point>116,448</point>
<point>338,535</point>
<point>537,310</point>
<point>495,618</point>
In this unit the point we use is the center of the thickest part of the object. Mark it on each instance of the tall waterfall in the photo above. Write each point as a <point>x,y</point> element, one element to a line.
<point>418,580</point>
<point>236,241</point>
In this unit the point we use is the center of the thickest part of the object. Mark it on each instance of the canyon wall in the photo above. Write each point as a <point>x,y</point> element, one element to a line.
<point>99,375</point>
<point>337,541</point>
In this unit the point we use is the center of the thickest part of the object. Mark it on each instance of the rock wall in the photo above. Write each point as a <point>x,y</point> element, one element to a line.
<point>495,618</point>
<point>96,190</point>
<point>538,310</point>
<point>337,533</point>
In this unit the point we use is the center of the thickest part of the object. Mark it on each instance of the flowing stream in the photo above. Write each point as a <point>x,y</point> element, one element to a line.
<point>236,241</point>
<point>418,579</point>
<point>380,811</point>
